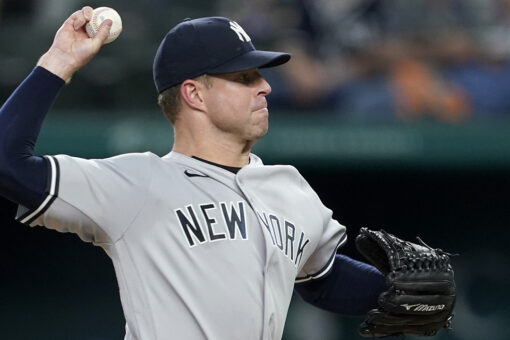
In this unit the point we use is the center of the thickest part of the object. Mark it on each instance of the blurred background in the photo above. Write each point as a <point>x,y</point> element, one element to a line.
<point>396,111</point>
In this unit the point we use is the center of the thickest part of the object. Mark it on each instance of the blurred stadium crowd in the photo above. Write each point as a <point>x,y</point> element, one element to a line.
<point>444,60</point>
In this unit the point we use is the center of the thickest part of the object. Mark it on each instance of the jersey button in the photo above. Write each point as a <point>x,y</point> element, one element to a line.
<point>271,326</point>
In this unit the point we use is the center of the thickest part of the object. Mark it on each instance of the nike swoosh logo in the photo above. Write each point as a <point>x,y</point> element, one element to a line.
<point>194,174</point>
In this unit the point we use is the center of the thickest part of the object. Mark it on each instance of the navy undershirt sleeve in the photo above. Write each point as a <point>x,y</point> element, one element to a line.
<point>23,176</point>
<point>350,288</point>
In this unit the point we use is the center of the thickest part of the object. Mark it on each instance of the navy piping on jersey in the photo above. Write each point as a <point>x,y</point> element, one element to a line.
<point>52,192</point>
<point>324,270</point>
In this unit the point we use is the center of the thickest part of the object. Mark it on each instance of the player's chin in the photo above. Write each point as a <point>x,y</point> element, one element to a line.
<point>260,128</point>
<point>258,135</point>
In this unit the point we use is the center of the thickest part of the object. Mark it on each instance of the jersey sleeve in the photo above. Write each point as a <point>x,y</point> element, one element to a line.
<point>95,199</point>
<point>332,237</point>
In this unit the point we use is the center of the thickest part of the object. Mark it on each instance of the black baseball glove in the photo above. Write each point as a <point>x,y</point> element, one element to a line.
<point>421,293</point>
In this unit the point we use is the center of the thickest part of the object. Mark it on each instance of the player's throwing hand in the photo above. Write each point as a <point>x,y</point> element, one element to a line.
<point>72,48</point>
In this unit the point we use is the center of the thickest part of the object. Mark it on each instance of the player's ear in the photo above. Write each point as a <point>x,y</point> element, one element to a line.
<point>191,93</point>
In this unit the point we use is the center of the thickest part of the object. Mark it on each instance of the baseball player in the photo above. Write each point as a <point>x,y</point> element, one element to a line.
<point>207,242</point>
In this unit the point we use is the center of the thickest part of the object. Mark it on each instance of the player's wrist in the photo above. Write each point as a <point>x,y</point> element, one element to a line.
<point>57,64</point>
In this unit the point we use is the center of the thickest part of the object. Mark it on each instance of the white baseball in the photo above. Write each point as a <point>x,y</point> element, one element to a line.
<point>99,15</point>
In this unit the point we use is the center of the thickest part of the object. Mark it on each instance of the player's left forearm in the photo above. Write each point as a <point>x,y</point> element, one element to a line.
<point>351,288</point>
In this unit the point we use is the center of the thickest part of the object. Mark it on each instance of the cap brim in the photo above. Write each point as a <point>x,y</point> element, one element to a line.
<point>251,60</point>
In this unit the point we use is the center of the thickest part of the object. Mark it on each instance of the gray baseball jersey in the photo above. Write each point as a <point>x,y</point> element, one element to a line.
<point>199,252</point>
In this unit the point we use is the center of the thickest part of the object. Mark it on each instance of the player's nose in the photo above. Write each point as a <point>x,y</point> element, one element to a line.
<point>264,87</point>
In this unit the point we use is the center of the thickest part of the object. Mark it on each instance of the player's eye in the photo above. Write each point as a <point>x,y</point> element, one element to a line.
<point>243,78</point>
<point>246,78</point>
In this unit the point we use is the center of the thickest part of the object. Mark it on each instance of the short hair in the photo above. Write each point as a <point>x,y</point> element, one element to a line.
<point>170,99</point>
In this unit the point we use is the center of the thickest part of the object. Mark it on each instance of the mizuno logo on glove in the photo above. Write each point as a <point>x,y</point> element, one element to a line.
<point>422,307</point>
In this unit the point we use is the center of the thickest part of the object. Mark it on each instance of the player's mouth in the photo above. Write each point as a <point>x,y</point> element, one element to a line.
<point>261,112</point>
<point>262,107</point>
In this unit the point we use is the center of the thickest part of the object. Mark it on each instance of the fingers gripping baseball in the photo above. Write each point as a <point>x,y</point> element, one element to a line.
<point>72,48</point>
<point>83,47</point>
<point>103,33</point>
<point>80,18</point>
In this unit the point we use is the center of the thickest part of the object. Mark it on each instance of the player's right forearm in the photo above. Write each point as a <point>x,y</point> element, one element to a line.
<point>23,176</point>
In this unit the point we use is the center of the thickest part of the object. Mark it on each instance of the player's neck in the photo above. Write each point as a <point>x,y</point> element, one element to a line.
<point>199,138</point>
<point>220,152</point>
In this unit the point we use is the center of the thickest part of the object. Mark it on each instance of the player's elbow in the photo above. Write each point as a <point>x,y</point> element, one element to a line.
<point>22,177</point>
<point>16,156</point>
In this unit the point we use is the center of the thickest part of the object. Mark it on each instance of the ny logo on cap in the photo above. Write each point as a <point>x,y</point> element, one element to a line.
<point>243,36</point>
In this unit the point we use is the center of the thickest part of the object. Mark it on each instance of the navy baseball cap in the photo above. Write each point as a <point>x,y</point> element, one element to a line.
<point>212,45</point>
